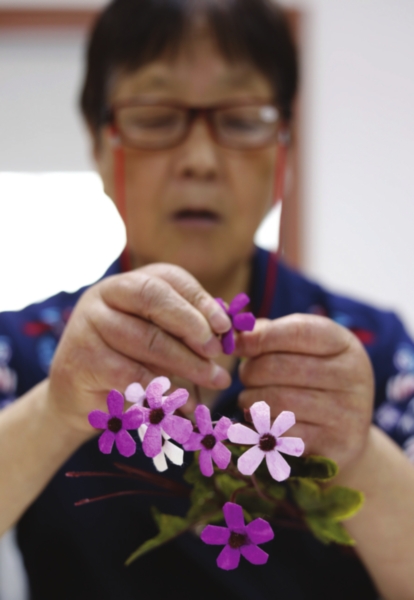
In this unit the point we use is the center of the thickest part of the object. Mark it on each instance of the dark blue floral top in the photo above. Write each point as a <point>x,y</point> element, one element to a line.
<point>79,552</point>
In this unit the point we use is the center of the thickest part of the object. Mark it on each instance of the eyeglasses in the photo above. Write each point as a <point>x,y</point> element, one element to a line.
<point>148,126</point>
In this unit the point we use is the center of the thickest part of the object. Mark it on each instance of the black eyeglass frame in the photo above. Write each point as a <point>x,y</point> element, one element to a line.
<point>281,135</point>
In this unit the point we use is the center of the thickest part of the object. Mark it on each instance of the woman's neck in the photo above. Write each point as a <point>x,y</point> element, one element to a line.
<point>229,284</point>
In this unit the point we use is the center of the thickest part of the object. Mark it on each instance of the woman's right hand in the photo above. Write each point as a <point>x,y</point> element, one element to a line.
<point>132,327</point>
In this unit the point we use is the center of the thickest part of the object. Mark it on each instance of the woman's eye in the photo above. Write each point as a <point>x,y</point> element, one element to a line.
<point>163,122</point>
<point>239,124</point>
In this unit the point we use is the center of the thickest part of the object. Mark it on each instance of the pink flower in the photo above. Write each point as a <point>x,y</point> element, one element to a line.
<point>238,538</point>
<point>159,413</point>
<point>240,322</point>
<point>267,442</point>
<point>208,440</point>
<point>116,424</point>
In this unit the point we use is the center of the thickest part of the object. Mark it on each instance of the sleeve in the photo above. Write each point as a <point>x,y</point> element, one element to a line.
<point>8,374</point>
<point>393,362</point>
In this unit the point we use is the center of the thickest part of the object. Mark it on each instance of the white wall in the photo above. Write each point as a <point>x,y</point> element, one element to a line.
<point>359,148</point>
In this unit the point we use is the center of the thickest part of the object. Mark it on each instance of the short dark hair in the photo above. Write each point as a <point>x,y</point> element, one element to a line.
<point>131,33</point>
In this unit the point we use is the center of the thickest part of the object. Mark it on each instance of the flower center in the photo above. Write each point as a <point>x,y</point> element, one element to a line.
<point>267,442</point>
<point>114,424</point>
<point>156,416</point>
<point>237,540</point>
<point>209,441</point>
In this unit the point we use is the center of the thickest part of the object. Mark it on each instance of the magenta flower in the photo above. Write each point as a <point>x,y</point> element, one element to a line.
<point>116,424</point>
<point>240,322</point>
<point>208,440</point>
<point>159,414</point>
<point>238,538</point>
<point>267,442</point>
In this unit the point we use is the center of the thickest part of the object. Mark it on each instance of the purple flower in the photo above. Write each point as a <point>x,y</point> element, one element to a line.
<point>208,440</point>
<point>267,442</point>
<point>169,450</point>
<point>240,322</point>
<point>159,413</point>
<point>238,538</point>
<point>116,424</point>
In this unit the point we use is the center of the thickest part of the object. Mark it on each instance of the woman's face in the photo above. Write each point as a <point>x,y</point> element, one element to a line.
<point>197,205</point>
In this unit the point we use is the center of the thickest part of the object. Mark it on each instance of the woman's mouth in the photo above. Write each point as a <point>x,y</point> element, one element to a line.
<point>196,218</point>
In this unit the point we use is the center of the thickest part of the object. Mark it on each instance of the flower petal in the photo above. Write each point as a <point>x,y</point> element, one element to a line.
<point>98,419</point>
<point>228,343</point>
<point>174,453</point>
<point>284,421</point>
<point>238,302</point>
<point>142,431</point>
<point>115,401</point>
<point>125,444</point>
<point>290,445</point>
<point>203,419</point>
<point>244,322</point>
<point>259,531</point>
<point>233,514</point>
<point>164,382</point>
<point>152,441</point>
<point>159,462</point>
<point>132,418</point>
<point>222,304</point>
<point>175,400</point>
<point>135,393</point>
<point>221,429</point>
<point>240,434</point>
<point>178,429</point>
<point>206,463</point>
<point>278,467</point>
<point>215,535</point>
<point>253,554</point>
<point>106,441</point>
<point>221,455</point>
<point>250,460</point>
<point>154,392</point>
<point>194,442</point>
<point>228,558</point>
<point>260,412</point>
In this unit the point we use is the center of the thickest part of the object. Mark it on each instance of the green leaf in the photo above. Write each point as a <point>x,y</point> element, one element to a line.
<point>340,503</point>
<point>337,503</point>
<point>170,527</point>
<point>328,530</point>
<point>277,491</point>
<point>228,484</point>
<point>313,467</point>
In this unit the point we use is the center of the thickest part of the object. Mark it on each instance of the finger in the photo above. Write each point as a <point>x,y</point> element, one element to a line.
<point>188,287</point>
<point>145,343</point>
<point>154,300</point>
<point>302,334</point>
<point>309,406</point>
<point>332,373</point>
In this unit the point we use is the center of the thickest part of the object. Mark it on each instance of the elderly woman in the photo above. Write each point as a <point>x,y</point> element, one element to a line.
<point>189,104</point>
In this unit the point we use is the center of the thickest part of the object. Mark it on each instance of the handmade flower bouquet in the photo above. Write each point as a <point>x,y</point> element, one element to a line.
<point>238,474</point>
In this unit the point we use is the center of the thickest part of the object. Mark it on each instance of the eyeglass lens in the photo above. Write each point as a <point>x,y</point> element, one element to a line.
<point>156,127</point>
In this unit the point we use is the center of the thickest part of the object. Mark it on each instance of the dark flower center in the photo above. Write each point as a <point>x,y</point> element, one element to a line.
<point>114,424</point>
<point>267,442</point>
<point>237,540</point>
<point>209,441</point>
<point>156,416</point>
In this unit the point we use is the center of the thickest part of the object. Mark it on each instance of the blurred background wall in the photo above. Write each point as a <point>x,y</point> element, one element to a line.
<point>357,151</point>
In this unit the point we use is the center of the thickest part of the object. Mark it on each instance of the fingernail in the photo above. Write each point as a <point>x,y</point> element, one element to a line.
<point>212,348</point>
<point>220,377</point>
<point>220,322</point>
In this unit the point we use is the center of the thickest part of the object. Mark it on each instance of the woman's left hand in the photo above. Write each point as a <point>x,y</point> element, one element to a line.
<point>317,369</point>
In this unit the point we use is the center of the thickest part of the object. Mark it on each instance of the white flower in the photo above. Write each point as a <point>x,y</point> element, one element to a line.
<point>169,450</point>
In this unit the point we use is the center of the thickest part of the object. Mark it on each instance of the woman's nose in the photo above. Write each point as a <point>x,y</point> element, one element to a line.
<point>199,152</point>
